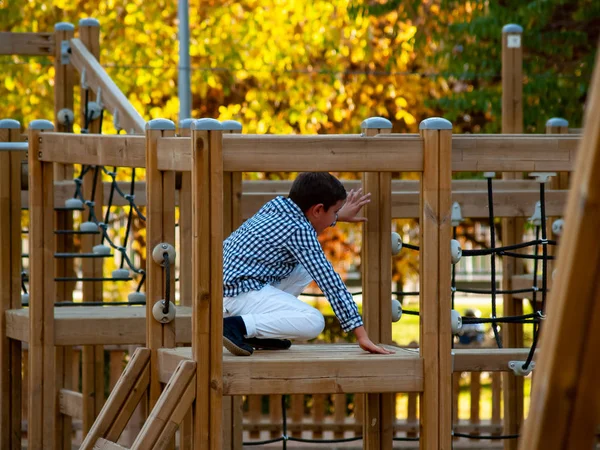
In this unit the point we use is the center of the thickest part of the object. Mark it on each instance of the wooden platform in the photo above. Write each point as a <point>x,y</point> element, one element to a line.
<point>90,325</point>
<point>311,369</point>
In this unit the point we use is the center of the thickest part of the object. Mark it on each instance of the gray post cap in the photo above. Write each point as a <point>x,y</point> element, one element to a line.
<point>207,124</point>
<point>512,28</point>
<point>89,22</point>
<point>557,122</point>
<point>10,124</point>
<point>64,26</point>
<point>231,125</point>
<point>41,124</point>
<point>186,123</point>
<point>435,123</point>
<point>160,124</point>
<point>375,123</point>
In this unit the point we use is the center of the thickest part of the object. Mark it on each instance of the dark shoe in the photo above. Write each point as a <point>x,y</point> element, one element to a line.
<point>269,344</point>
<point>234,330</point>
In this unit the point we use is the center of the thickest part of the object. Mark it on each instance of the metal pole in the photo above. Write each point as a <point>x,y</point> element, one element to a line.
<point>185,95</point>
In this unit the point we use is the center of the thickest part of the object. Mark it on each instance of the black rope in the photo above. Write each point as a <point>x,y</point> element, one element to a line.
<point>525,256</point>
<point>489,251</point>
<point>498,291</point>
<point>478,436</point>
<point>23,277</point>
<point>506,319</point>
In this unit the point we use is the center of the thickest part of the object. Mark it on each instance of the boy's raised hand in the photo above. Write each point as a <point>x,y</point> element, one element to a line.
<point>354,202</point>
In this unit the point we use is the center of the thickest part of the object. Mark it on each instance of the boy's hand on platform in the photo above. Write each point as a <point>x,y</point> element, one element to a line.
<point>354,202</point>
<point>367,345</point>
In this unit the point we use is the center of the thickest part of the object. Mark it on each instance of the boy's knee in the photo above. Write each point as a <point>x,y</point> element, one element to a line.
<point>317,322</point>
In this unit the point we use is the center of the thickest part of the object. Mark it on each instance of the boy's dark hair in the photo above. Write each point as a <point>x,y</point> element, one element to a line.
<point>312,188</point>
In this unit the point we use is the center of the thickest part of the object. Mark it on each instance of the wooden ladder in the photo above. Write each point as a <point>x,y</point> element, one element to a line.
<point>168,413</point>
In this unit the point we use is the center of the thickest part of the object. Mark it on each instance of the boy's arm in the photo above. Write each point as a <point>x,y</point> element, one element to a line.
<point>367,345</point>
<point>354,202</point>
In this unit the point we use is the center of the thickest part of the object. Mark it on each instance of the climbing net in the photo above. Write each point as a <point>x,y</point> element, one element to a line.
<point>538,297</point>
<point>92,222</point>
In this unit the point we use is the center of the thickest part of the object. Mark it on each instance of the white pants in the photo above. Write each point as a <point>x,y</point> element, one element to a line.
<point>276,312</point>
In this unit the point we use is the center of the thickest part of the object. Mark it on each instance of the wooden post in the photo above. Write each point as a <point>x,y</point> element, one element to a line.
<point>377,287</point>
<point>92,356</point>
<point>160,231</point>
<point>435,276</point>
<point>565,402</point>
<point>64,80</point>
<point>512,228</point>
<point>232,219</point>
<point>557,125</point>
<point>185,270</point>
<point>10,276</point>
<point>207,312</point>
<point>42,292</point>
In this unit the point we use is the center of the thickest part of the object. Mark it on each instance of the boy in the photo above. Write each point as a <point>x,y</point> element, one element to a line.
<point>274,255</point>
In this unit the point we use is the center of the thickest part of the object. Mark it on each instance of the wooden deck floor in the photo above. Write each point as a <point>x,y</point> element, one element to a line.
<point>315,369</point>
<point>90,325</point>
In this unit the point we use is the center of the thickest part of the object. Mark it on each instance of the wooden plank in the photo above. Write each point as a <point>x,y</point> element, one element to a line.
<point>444,280</point>
<point>158,213</point>
<point>252,153</point>
<point>565,402</point>
<point>371,281</point>
<point>90,325</point>
<point>103,444</point>
<point>42,375</point>
<point>112,97</point>
<point>102,150</point>
<point>26,44</point>
<point>10,266</point>
<point>178,390</point>
<point>488,360</point>
<point>515,153</point>
<point>119,396</point>
<point>70,403</point>
<point>314,369</point>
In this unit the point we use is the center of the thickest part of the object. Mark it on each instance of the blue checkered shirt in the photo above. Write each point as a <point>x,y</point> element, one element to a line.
<point>267,248</point>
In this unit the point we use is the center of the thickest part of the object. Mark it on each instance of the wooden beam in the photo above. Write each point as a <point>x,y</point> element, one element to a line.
<point>26,44</point>
<point>488,359</point>
<point>112,98</point>
<point>512,230</point>
<point>207,313</point>
<point>435,299</point>
<point>101,150</point>
<point>42,373</point>
<point>70,403</point>
<point>565,403</point>
<point>160,223</point>
<point>127,386</point>
<point>103,444</point>
<point>10,296</point>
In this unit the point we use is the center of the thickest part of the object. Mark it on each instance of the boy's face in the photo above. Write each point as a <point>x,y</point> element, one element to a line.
<point>321,218</point>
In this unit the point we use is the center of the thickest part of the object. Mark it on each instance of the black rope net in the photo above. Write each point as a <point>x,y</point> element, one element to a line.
<point>114,239</point>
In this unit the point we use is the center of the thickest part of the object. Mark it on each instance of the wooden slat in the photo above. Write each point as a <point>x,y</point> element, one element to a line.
<point>10,267</point>
<point>488,360</point>
<point>27,44</point>
<point>315,369</point>
<point>89,325</point>
<point>103,150</point>
<point>112,97</point>
<point>119,396</point>
<point>565,405</point>
<point>514,153</point>
<point>70,403</point>
<point>42,374</point>
<point>179,391</point>
<point>103,444</point>
<point>252,153</point>
<point>160,217</point>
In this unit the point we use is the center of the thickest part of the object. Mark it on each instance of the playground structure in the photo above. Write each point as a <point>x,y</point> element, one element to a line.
<point>197,377</point>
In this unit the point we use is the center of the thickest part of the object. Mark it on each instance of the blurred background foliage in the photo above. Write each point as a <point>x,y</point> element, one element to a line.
<point>291,66</point>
